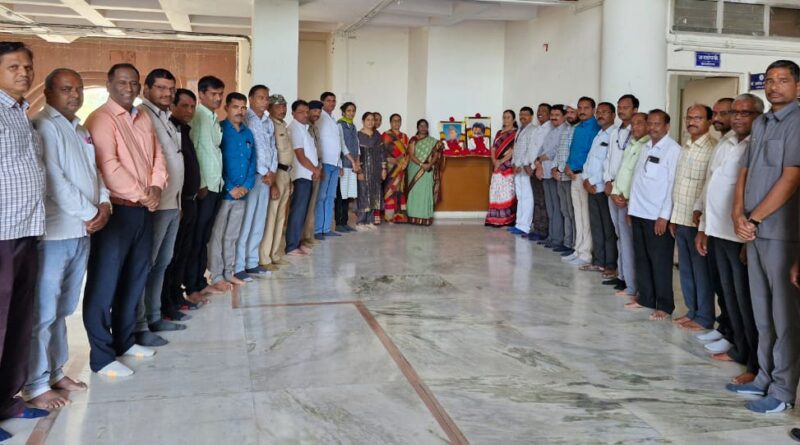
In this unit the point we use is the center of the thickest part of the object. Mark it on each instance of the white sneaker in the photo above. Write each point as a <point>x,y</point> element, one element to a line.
<point>719,346</point>
<point>712,335</point>
<point>567,259</point>
<point>115,369</point>
<point>139,352</point>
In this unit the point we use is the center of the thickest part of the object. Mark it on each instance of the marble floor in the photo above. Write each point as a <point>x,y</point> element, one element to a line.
<point>407,335</point>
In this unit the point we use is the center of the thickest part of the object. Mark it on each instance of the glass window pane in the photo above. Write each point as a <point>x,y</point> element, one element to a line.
<point>744,19</point>
<point>784,22</point>
<point>695,15</point>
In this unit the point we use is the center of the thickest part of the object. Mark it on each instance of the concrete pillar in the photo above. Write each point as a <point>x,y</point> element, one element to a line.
<point>634,51</point>
<point>276,43</point>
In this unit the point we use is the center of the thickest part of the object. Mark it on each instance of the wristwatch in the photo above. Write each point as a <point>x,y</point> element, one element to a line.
<point>753,222</point>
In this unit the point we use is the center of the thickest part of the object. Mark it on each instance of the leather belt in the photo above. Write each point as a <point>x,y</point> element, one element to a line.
<point>125,202</point>
<point>284,167</point>
<point>189,197</point>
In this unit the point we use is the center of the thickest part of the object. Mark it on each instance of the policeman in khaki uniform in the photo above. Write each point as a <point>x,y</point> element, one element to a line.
<point>271,249</point>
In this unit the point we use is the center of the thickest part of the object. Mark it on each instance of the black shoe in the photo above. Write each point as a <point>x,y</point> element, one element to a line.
<point>175,315</point>
<point>164,325</point>
<point>558,248</point>
<point>612,282</point>
<point>795,434</point>
<point>147,338</point>
<point>541,243</point>
<point>621,285</point>
<point>568,252</point>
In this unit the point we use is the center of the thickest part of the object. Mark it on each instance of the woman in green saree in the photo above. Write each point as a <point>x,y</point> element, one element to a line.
<point>424,175</point>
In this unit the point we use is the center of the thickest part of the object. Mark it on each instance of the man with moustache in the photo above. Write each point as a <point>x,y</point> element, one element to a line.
<point>159,90</point>
<point>314,113</point>
<point>716,232</point>
<point>620,196</point>
<point>721,338</point>
<point>306,170</point>
<point>565,183</point>
<point>271,248</point>
<point>172,299</point>
<point>620,139</point>
<point>22,213</point>
<point>696,286</point>
<point>579,148</point>
<point>766,214</point>
<point>604,242</point>
<point>523,146</point>
<point>255,214</point>
<point>132,164</point>
<point>239,162</point>
<point>206,136</point>
<point>544,167</point>
<point>76,206</point>
<point>650,208</point>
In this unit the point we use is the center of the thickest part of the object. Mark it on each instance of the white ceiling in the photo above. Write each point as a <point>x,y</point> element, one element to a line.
<point>232,17</point>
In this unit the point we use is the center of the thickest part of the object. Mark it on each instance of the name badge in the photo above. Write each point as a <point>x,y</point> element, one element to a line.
<point>604,144</point>
<point>653,159</point>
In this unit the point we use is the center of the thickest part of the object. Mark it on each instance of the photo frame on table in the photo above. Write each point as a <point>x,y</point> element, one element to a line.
<point>451,133</point>
<point>479,135</point>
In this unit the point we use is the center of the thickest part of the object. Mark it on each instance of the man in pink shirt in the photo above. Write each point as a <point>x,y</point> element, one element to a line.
<point>132,164</point>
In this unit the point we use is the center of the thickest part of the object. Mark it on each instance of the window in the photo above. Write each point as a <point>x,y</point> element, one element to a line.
<point>696,15</point>
<point>784,22</point>
<point>755,18</point>
<point>743,18</point>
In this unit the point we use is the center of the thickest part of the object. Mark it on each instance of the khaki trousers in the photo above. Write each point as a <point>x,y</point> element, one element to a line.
<point>270,249</point>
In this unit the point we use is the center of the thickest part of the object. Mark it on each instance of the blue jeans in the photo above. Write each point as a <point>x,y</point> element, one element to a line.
<point>323,212</point>
<point>695,279</point>
<point>119,261</point>
<point>297,212</point>
<point>165,230</point>
<point>255,219</point>
<point>62,265</point>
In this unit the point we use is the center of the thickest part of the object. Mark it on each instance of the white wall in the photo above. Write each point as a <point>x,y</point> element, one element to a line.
<point>417,78</point>
<point>465,71</point>
<point>371,69</point>
<point>561,73</point>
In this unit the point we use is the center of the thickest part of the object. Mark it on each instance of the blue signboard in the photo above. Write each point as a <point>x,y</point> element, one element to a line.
<point>707,59</point>
<point>757,81</point>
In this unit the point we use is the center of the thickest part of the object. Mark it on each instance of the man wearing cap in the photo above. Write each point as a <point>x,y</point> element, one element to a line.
<point>270,252</point>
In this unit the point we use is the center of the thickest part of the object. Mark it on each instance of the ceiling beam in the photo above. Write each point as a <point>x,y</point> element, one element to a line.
<point>40,31</point>
<point>85,10</point>
<point>177,16</point>
<point>461,12</point>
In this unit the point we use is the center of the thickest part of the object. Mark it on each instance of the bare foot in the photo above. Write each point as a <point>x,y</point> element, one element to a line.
<point>722,357</point>
<point>741,379</point>
<point>68,384</point>
<point>681,320</point>
<point>220,287</point>
<point>296,252</point>
<point>659,315</point>
<point>305,250</point>
<point>692,326</point>
<point>633,304</point>
<point>236,281</point>
<point>197,298</point>
<point>49,400</point>
<point>622,293</point>
<point>213,289</point>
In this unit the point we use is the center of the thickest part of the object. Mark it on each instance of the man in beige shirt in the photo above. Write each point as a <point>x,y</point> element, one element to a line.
<point>271,251</point>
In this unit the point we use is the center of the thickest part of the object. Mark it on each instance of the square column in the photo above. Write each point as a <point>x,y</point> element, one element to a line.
<point>276,43</point>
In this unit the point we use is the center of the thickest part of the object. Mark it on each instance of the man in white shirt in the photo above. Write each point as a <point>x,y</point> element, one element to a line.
<point>331,162</point>
<point>625,281</point>
<point>522,159</point>
<point>717,233</point>
<point>541,220</point>
<point>305,170</point>
<point>604,243</point>
<point>77,205</point>
<point>158,92</point>
<point>650,209</point>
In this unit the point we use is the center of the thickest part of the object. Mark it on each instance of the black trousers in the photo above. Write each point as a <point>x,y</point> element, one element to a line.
<point>604,237</point>
<point>736,291</point>
<point>196,269</point>
<point>723,321</point>
<point>119,261</point>
<point>176,272</point>
<point>541,221</point>
<point>653,261</point>
<point>340,208</point>
<point>297,213</point>
<point>19,267</point>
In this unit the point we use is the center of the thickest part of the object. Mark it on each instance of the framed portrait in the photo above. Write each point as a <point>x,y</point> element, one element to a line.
<point>454,138</point>
<point>479,135</point>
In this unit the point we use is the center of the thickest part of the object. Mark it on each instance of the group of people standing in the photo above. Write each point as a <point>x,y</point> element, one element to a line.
<point>617,198</point>
<point>162,204</point>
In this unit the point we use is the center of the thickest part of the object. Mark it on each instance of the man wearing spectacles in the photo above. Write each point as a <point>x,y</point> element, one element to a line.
<point>698,293</point>
<point>766,215</point>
